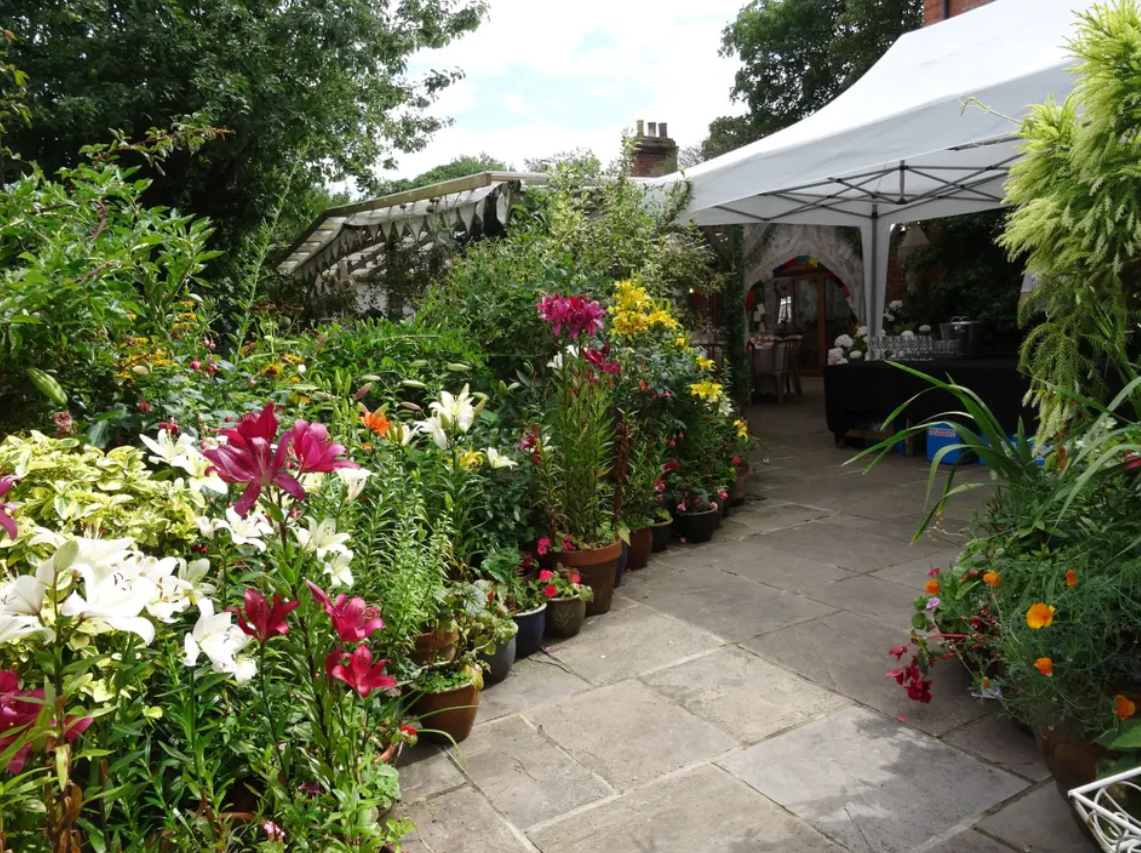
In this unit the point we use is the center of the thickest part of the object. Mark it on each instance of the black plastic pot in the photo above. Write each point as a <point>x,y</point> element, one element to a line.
<point>497,665</point>
<point>696,527</point>
<point>531,626</point>
<point>620,565</point>
<point>663,534</point>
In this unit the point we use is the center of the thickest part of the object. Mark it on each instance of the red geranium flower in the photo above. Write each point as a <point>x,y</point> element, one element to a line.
<point>361,673</point>
<point>544,546</point>
<point>249,457</point>
<point>550,590</point>
<point>546,575</point>
<point>261,621</point>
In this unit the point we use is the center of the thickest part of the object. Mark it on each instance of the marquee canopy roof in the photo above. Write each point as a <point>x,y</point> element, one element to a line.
<point>927,132</point>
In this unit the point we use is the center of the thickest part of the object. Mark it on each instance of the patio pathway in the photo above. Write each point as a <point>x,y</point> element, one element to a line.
<point>734,700</point>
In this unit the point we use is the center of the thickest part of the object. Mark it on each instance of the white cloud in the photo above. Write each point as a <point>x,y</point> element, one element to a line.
<point>601,64</point>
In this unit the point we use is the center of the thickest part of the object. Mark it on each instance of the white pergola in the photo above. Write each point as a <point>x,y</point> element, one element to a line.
<point>928,132</point>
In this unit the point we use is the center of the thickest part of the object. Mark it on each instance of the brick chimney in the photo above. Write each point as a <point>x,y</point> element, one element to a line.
<point>935,11</point>
<point>655,154</point>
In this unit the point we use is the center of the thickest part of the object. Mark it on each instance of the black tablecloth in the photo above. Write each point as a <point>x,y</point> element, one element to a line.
<point>864,393</point>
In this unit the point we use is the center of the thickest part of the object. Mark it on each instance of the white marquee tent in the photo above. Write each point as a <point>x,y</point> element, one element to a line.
<point>927,132</point>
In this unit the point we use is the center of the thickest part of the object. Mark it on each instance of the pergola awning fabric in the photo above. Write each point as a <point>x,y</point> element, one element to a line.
<point>348,242</point>
<point>927,132</point>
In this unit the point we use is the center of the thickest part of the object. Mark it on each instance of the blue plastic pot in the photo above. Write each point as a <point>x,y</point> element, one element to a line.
<point>531,626</point>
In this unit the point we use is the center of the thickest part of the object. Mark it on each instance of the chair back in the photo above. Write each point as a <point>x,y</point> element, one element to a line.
<point>781,352</point>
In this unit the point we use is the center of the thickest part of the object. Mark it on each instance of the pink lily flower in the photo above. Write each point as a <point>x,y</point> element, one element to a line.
<point>362,674</point>
<point>6,521</point>
<point>315,452</point>
<point>249,457</point>
<point>260,621</point>
<point>16,713</point>
<point>353,619</point>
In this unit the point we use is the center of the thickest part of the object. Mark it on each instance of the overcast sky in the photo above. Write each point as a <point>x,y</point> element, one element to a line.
<point>546,76</point>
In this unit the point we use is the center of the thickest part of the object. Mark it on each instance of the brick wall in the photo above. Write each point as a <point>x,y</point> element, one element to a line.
<point>933,9</point>
<point>655,154</point>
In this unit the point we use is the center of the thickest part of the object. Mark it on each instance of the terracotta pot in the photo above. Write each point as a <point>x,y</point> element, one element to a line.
<point>740,488</point>
<point>641,542</point>
<point>697,527</point>
<point>435,647</point>
<point>1073,758</point>
<point>451,712</point>
<point>497,665</point>
<point>565,616</point>
<point>530,635</point>
<point>661,535</point>
<point>596,566</point>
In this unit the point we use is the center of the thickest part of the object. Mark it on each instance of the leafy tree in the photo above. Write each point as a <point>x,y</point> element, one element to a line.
<point>797,55</point>
<point>314,90</point>
<point>460,167</point>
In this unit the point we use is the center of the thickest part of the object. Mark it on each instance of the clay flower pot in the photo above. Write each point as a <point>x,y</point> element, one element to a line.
<point>530,635</point>
<point>597,568</point>
<point>565,616</point>
<point>641,542</point>
<point>697,527</point>
<point>740,488</point>
<point>661,535</point>
<point>451,712</point>
<point>497,665</point>
<point>435,647</point>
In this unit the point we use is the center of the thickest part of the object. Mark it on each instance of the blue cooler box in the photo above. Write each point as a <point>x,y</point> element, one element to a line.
<point>939,437</point>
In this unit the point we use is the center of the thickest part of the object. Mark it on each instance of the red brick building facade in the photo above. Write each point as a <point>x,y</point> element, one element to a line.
<point>935,11</point>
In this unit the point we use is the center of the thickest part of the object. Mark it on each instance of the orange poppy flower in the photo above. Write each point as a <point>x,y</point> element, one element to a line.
<point>376,422</point>
<point>992,579</point>
<point>1071,577</point>
<point>1040,615</point>
<point>1123,707</point>
<point>1044,666</point>
<point>932,586</point>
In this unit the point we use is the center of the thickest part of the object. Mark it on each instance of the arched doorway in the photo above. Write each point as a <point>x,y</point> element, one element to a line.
<point>805,298</point>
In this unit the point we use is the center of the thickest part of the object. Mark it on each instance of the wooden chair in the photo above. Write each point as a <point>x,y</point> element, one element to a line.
<point>778,370</point>
<point>793,374</point>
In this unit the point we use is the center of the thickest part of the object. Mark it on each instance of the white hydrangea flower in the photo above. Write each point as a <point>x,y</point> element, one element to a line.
<point>843,341</point>
<point>836,356</point>
<point>895,305</point>
<point>862,332</point>
<point>907,333</point>
<point>924,329</point>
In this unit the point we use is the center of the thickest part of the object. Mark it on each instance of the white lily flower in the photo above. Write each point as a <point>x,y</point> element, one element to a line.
<point>166,448</point>
<point>112,603</point>
<point>434,427</point>
<point>209,526</point>
<point>353,480</point>
<point>213,635</point>
<point>455,410</point>
<point>312,482</point>
<point>43,536</point>
<point>101,557</point>
<point>194,574</point>
<point>250,530</point>
<point>322,538</point>
<point>172,593</point>
<point>15,628</point>
<point>24,596</point>
<point>495,459</point>
<point>197,466</point>
<point>338,568</point>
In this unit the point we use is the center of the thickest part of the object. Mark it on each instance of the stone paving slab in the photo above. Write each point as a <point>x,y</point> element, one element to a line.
<point>834,543</point>
<point>609,650</point>
<point>767,516</point>
<point>998,740</point>
<point>849,654</point>
<point>703,810</point>
<point>732,607</point>
<point>428,773</point>
<point>460,822</point>
<point>526,777</point>
<point>881,601</point>
<point>781,569</point>
<point>535,680</point>
<point>1041,822</point>
<point>743,695</point>
<point>914,573</point>
<point>966,842</point>
<point>628,734</point>
<point>870,783</point>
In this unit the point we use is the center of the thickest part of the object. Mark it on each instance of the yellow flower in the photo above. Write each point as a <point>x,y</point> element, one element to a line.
<point>662,317</point>
<point>705,363</point>
<point>292,359</point>
<point>681,341</point>
<point>742,427</point>
<point>272,370</point>
<point>470,459</point>
<point>706,390</point>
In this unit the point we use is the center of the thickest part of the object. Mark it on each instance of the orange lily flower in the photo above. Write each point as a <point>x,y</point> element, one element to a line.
<point>1044,666</point>
<point>992,579</point>
<point>376,422</point>
<point>1040,616</point>
<point>1123,707</point>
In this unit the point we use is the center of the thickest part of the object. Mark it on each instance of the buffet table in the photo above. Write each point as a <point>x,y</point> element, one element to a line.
<point>858,395</point>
